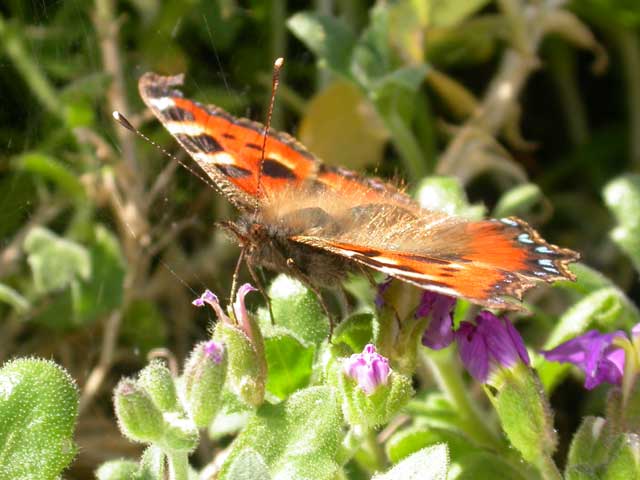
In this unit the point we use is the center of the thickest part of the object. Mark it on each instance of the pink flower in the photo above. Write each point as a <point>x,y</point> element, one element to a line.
<point>369,369</point>
<point>214,350</point>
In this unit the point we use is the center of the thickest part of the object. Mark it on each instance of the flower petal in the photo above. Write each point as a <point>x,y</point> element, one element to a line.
<point>473,351</point>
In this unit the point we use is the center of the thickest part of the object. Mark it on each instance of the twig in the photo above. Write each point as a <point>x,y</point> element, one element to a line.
<point>498,103</point>
<point>99,372</point>
<point>11,254</point>
<point>107,27</point>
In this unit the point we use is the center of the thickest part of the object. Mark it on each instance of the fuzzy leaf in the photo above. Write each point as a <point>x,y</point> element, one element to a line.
<point>297,309</point>
<point>297,438</point>
<point>327,37</point>
<point>356,331</point>
<point>622,196</point>
<point>55,261</point>
<point>429,463</point>
<point>289,363</point>
<point>38,410</point>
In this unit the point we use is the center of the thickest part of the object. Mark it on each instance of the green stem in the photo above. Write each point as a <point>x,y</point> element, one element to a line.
<point>178,465</point>
<point>406,144</point>
<point>38,83</point>
<point>448,377</point>
<point>629,44</point>
<point>549,469</point>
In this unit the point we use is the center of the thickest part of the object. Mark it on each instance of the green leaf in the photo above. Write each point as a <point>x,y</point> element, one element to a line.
<point>589,445</point>
<point>38,411</point>
<point>446,194</point>
<point>356,331</point>
<point>289,363</point>
<point>297,309</point>
<point>429,463</point>
<point>622,196</point>
<point>10,296</point>
<point>524,412</point>
<point>248,465</point>
<point>485,465</point>
<point>118,470</point>
<point>55,261</point>
<point>625,458</point>
<point>297,438</point>
<point>444,13</point>
<point>519,200</point>
<point>409,440</point>
<point>329,38</point>
<point>103,291</point>
<point>52,169</point>
<point>143,326</point>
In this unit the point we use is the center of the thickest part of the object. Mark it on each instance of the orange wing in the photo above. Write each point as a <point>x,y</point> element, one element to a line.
<point>229,149</point>
<point>489,260</point>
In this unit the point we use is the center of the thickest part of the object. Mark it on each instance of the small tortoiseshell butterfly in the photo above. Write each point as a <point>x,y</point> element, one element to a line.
<point>318,222</point>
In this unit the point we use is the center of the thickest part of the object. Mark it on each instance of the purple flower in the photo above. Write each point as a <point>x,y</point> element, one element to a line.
<point>240,310</point>
<point>214,350</point>
<point>382,288</point>
<point>595,354</point>
<point>369,369</point>
<point>490,343</point>
<point>439,332</point>
<point>209,298</point>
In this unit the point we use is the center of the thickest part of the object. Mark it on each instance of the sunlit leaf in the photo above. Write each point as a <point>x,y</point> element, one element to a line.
<point>38,408</point>
<point>295,439</point>
<point>622,196</point>
<point>289,363</point>
<point>327,37</point>
<point>342,127</point>
<point>55,261</point>
<point>431,463</point>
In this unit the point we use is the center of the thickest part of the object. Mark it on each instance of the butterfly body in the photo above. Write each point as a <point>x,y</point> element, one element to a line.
<point>318,223</point>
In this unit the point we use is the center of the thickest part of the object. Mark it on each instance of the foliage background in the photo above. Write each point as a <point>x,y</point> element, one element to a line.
<point>129,238</point>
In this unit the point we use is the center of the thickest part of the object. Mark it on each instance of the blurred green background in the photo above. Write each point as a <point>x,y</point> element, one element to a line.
<point>534,107</point>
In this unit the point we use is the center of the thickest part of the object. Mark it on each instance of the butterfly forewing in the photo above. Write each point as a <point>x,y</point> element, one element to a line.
<point>229,149</point>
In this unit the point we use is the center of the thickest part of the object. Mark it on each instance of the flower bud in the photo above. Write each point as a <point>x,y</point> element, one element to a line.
<point>156,379</point>
<point>372,392</point>
<point>247,363</point>
<point>244,344</point>
<point>138,417</point>
<point>204,377</point>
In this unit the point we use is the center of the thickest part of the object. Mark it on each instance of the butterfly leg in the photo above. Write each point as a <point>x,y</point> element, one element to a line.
<point>236,272</point>
<point>260,286</point>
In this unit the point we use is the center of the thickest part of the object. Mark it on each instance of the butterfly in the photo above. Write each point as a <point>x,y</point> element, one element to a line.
<point>317,222</point>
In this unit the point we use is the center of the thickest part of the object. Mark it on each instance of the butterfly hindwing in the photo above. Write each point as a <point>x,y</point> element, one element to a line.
<point>500,259</point>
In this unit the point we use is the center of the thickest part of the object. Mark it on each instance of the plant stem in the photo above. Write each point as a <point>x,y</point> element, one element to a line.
<point>549,469</point>
<point>178,465</point>
<point>629,44</point>
<point>23,62</point>
<point>447,374</point>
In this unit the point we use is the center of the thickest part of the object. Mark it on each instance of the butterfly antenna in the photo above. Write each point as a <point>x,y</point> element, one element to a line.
<point>122,120</point>
<point>275,81</point>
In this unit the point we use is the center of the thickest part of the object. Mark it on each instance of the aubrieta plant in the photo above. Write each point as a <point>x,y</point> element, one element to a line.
<point>315,405</point>
<point>97,241</point>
